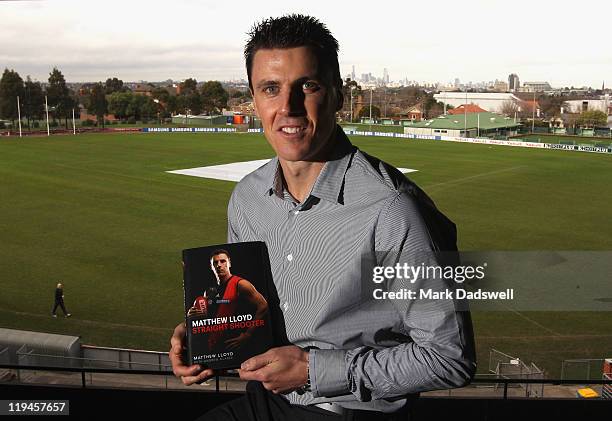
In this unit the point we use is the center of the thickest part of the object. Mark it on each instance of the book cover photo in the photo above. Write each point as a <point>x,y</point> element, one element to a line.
<point>231,304</point>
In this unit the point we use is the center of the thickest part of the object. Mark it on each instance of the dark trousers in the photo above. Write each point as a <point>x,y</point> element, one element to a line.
<point>61,304</point>
<point>258,404</point>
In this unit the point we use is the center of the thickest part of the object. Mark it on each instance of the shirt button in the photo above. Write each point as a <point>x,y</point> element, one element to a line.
<point>296,212</point>
<point>290,257</point>
<point>285,306</point>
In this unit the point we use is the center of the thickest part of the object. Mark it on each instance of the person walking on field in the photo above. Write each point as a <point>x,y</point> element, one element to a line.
<point>59,300</point>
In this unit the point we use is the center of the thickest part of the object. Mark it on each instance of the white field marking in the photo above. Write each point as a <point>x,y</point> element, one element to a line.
<point>235,171</point>
<point>75,318</point>
<point>471,177</point>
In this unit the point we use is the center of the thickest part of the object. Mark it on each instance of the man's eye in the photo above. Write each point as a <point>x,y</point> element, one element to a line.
<point>309,86</point>
<point>270,90</point>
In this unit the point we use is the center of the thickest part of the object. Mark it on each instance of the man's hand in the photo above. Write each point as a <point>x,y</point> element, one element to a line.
<point>281,370</point>
<point>188,374</point>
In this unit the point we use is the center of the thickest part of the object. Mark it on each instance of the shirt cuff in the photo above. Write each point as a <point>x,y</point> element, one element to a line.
<point>328,372</point>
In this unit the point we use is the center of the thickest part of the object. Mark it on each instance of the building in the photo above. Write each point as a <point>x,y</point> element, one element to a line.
<point>604,103</point>
<point>536,87</point>
<point>245,108</point>
<point>414,113</point>
<point>143,89</point>
<point>466,108</point>
<point>499,86</point>
<point>467,125</point>
<point>530,106</point>
<point>492,102</point>
<point>513,82</point>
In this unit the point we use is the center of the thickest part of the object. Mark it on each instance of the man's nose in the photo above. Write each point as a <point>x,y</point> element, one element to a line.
<point>293,101</point>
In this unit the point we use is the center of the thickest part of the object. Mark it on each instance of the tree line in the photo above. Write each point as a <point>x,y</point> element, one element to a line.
<point>31,95</point>
<point>100,99</point>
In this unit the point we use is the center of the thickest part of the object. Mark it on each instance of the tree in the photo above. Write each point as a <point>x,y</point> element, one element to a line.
<point>11,86</point>
<point>365,112</point>
<point>349,87</point>
<point>135,106</point>
<point>509,107</point>
<point>551,105</point>
<point>188,86</point>
<point>114,85</point>
<point>194,102</point>
<point>148,108</point>
<point>161,94</point>
<point>58,95</point>
<point>34,101</point>
<point>214,96</point>
<point>98,104</point>
<point>172,105</point>
<point>118,103</point>
<point>592,118</point>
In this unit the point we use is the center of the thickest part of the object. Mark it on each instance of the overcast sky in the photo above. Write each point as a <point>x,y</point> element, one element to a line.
<point>563,42</point>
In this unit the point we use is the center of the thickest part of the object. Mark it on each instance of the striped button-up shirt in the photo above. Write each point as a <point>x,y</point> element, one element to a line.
<point>364,354</point>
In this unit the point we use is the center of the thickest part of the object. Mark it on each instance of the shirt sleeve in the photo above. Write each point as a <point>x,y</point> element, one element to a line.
<point>440,351</point>
<point>233,235</point>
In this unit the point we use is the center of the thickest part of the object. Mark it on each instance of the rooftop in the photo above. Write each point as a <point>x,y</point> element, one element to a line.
<point>484,121</point>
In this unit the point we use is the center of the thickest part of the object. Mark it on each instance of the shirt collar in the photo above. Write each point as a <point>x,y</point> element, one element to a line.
<point>330,182</point>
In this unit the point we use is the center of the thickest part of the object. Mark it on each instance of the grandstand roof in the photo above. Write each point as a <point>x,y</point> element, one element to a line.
<point>484,121</point>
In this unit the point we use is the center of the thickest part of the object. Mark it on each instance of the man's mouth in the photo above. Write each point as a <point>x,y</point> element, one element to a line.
<point>292,129</point>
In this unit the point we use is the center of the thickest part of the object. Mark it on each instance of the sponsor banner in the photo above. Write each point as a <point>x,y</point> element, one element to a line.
<point>188,129</point>
<point>561,146</point>
<point>581,148</point>
<point>483,141</point>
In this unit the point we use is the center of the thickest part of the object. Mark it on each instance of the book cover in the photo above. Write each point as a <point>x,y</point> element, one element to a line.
<point>230,304</point>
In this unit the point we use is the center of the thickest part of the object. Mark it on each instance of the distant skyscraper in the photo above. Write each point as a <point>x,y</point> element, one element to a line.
<point>385,76</point>
<point>513,82</point>
<point>457,82</point>
<point>353,73</point>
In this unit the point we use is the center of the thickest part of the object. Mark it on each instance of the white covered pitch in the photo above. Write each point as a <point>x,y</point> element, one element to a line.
<point>234,171</point>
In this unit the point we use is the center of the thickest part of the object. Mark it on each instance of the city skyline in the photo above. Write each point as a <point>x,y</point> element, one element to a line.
<point>475,40</point>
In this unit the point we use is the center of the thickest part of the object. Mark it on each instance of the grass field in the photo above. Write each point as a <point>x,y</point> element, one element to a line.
<point>100,213</point>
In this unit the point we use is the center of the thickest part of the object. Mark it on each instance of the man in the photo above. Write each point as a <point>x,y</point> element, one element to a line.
<point>322,205</point>
<point>238,296</point>
<point>59,301</point>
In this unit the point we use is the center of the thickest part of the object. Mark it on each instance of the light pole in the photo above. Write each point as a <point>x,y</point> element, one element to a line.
<point>352,87</point>
<point>533,113</point>
<point>159,105</point>
<point>371,89</point>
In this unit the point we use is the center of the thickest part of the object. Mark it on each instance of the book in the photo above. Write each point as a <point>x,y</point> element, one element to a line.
<point>231,304</point>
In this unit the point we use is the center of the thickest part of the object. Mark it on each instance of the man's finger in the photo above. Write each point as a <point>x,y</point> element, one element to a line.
<point>178,366</point>
<point>257,362</point>
<point>261,375</point>
<point>200,378</point>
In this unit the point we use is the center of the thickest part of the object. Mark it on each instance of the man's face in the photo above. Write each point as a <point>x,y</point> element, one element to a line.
<point>295,101</point>
<point>221,265</point>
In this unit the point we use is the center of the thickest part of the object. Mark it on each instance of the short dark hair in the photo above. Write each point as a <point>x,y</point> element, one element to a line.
<point>220,251</point>
<point>292,31</point>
